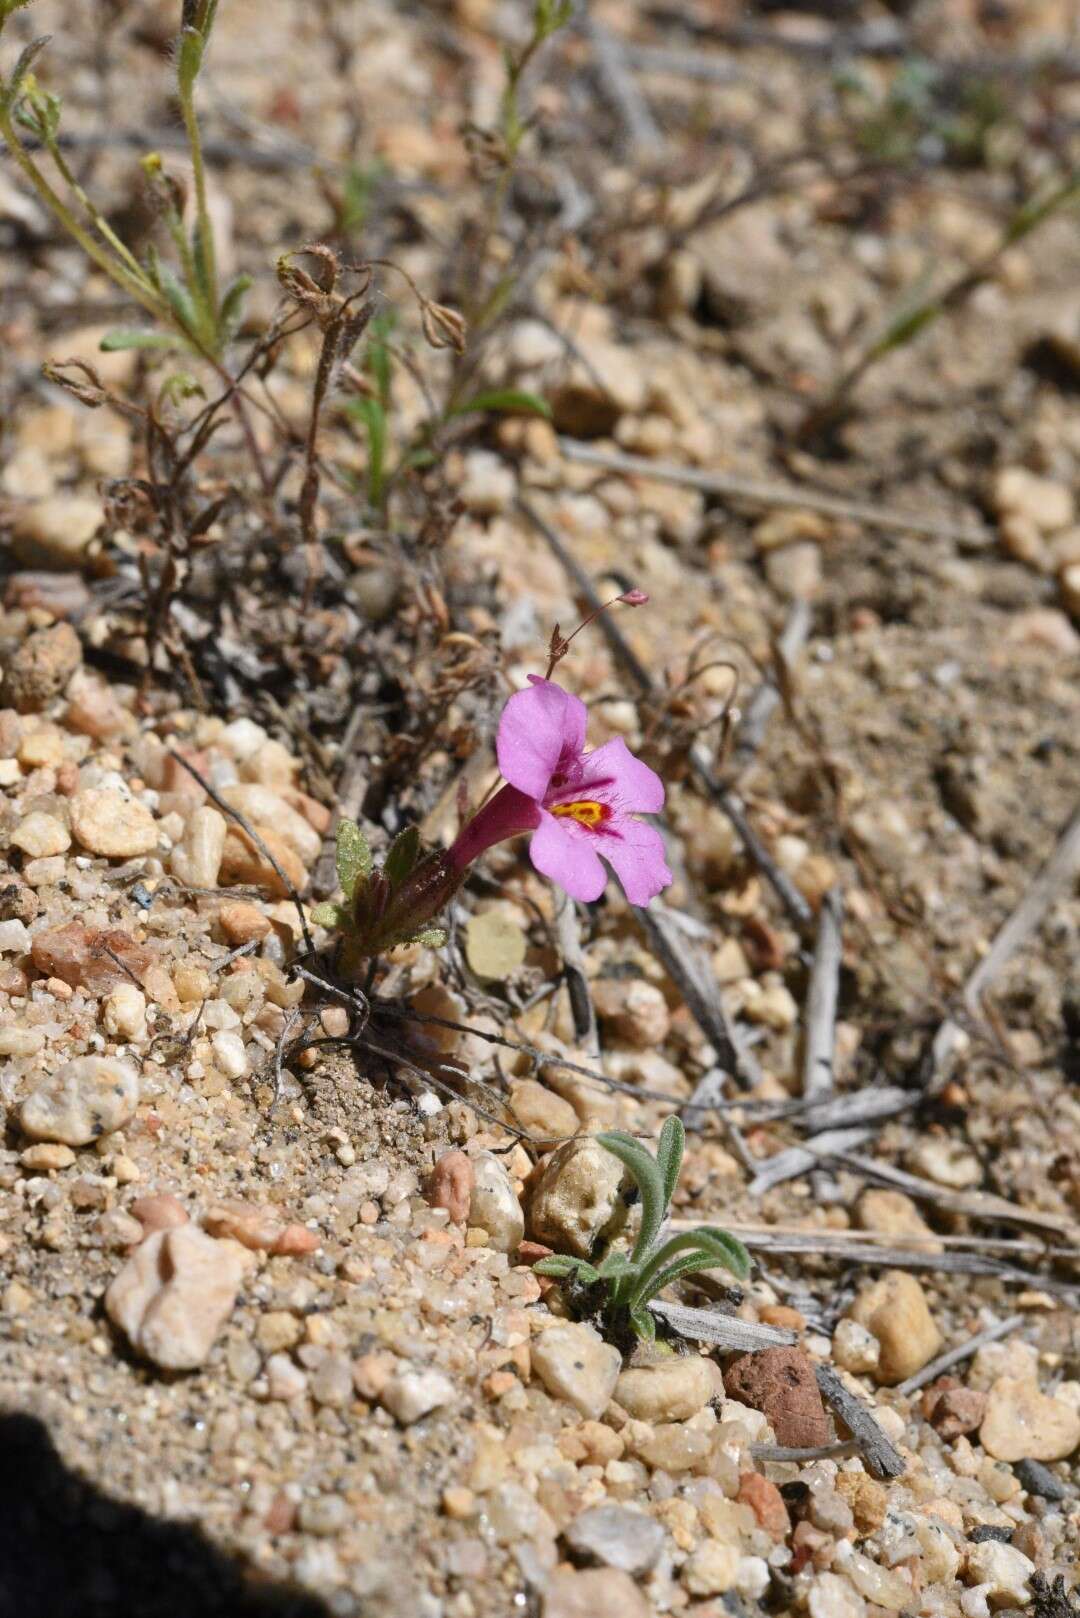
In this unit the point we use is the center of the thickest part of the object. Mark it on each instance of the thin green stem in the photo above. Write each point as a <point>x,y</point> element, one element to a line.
<point>104,229</point>
<point>117,272</point>
<point>204,230</point>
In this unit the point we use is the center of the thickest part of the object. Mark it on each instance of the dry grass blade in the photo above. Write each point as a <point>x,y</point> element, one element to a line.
<point>723,1331</point>
<point>964,1351</point>
<point>880,1457</point>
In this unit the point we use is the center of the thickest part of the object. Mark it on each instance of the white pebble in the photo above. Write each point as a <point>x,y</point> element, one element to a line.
<point>14,938</point>
<point>229,1053</point>
<point>124,1012</point>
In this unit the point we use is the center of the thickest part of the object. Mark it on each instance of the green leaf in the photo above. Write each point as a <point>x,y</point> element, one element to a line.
<point>179,299</point>
<point>705,1248</point>
<point>124,337</point>
<point>513,401</point>
<point>189,59</point>
<point>330,915</point>
<point>371,413</point>
<point>232,305</point>
<point>179,386</point>
<point>402,856</point>
<point>648,1180</point>
<point>431,937</point>
<point>353,857</point>
<point>643,1323</point>
<point>669,1155</point>
<point>22,66</point>
<point>560,1265</point>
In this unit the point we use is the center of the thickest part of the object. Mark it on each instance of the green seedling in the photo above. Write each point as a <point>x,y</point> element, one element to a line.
<point>627,1284</point>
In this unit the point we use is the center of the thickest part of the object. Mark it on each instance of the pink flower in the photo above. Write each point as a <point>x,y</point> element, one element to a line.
<point>580,806</point>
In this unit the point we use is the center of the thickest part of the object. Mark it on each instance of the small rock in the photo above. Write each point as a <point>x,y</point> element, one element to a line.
<point>672,1390</point>
<point>96,961</point>
<point>1022,1423</point>
<point>672,1446</point>
<point>452,1185</point>
<point>107,823</point>
<point>855,1349</point>
<point>284,1378</point>
<point>895,1310</point>
<point>547,1117</point>
<point>494,945</point>
<point>635,1011</point>
<point>616,1536</point>
<point>579,1199</point>
<point>93,710</point>
<point>780,1382</point>
<point>1045,503</point>
<point>1069,585</point>
<point>488,485</point>
<point>1045,627</point>
<point>1003,1570</point>
<point>894,1214</point>
<point>38,835</point>
<point>241,922</point>
<point>594,1593</point>
<point>174,1294</point>
<point>574,1363</point>
<point>160,1212</point>
<point>767,1504</point>
<point>254,1228</point>
<point>262,806</point>
<point>794,571</point>
<point>409,1395</point>
<point>56,531</point>
<point>602,384</point>
<point>41,667</point>
<point>332,1382</point>
<point>295,1241</point>
<point>951,1409</point>
<point>196,859</point>
<point>124,1012</point>
<point>84,1099</point>
<point>712,1569</point>
<point>493,1205</point>
<point>833,1597</point>
<point>324,1516</point>
<point>868,1500</point>
<point>244,864</point>
<point>46,1158</point>
<point>946,1162</point>
<point>230,1055</point>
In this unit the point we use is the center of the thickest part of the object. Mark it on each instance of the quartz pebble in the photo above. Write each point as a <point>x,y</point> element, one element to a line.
<point>855,1349</point>
<point>40,835</point>
<point>1022,1423</point>
<point>616,1536</point>
<point>55,532</point>
<point>574,1363</point>
<point>174,1294</point>
<point>672,1390</point>
<point>634,1011</point>
<point>578,1200</point>
<point>593,1593</point>
<point>547,1117</point>
<point>494,1206</point>
<point>46,1158</point>
<point>124,1012</point>
<point>196,859</point>
<point>84,1099</point>
<point>409,1395</point>
<point>1002,1570</point>
<point>895,1310</point>
<point>831,1596</point>
<point>108,823</point>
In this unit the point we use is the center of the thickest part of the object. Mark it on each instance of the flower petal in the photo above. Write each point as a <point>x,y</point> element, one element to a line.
<point>636,853</point>
<point>537,728</point>
<point>635,787</point>
<point>562,851</point>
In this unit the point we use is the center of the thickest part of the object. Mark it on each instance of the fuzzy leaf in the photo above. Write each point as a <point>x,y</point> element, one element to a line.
<point>22,66</point>
<point>124,337</point>
<point>669,1155</point>
<point>510,401</point>
<point>330,915</point>
<point>373,418</point>
<point>431,937</point>
<point>705,1249</point>
<point>561,1265</point>
<point>402,856</point>
<point>643,1323</point>
<point>353,857</point>
<point>649,1182</point>
<point>232,305</point>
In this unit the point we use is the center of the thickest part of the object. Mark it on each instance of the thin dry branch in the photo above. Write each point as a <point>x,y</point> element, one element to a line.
<point>723,1331</point>
<point>964,1351</point>
<point>974,1204</point>
<point>1053,880</point>
<point>775,494</point>
<point>880,1457</point>
<point>821,997</point>
<point>766,697</point>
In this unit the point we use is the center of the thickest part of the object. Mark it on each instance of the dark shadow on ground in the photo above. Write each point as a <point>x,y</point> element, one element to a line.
<point>69,1551</point>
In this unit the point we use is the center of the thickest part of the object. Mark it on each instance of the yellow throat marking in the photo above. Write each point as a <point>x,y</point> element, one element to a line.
<point>586,811</point>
